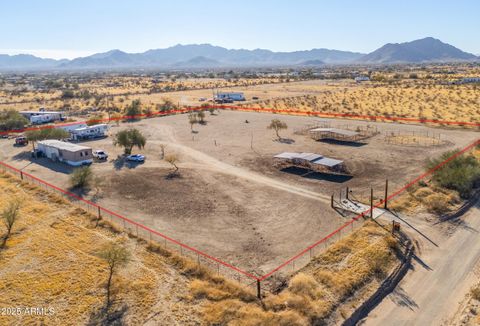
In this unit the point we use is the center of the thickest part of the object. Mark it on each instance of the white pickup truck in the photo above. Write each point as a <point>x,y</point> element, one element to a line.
<point>100,154</point>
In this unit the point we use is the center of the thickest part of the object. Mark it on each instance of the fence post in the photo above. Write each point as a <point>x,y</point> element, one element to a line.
<point>99,215</point>
<point>331,202</point>
<point>346,196</point>
<point>259,290</point>
<point>371,203</point>
<point>386,194</point>
<point>21,174</point>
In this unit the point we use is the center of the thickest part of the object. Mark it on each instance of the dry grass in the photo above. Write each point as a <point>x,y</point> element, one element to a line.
<point>51,261</point>
<point>408,99</point>
<point>313,294</point>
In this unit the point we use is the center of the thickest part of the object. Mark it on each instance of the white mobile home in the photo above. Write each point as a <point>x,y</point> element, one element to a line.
<point>38,117</point>
<point>230,96</point>
<point>69,153</point>
<point>89,132</point>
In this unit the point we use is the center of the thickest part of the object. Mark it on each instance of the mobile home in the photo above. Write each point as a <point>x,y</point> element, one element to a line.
<point>230,96</point>
<point>38,117</point>
<point>69,153</point>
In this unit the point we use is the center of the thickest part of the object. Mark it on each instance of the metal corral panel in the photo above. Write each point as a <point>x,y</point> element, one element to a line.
<point>330,162</point>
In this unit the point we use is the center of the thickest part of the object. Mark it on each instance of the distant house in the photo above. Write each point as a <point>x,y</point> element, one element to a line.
<point>360,79</point>
<point>69,153</point>
<point>89,132</point>
<point>230,96</point>
<point>39,117</point>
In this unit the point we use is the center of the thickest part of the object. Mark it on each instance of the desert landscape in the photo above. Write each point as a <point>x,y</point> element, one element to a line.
<point>239,163</point>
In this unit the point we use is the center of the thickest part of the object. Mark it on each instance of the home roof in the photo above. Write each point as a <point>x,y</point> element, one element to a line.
<point>63,145</point>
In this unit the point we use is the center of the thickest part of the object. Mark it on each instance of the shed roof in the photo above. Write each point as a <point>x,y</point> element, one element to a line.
<point>326,161</point>
<point>63,145</point>
<point>342,132</point>
<point>311,157</point>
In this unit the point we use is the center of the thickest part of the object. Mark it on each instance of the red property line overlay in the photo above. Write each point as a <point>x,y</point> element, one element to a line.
<point>190,109</point>
<point>250,109</point>
<point>130,221</point>
<point>356,218</point>
<point>380,203</point>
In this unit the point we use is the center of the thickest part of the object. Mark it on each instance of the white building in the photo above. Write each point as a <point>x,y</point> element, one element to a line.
<point>360,79</point>
<point>69,153</point>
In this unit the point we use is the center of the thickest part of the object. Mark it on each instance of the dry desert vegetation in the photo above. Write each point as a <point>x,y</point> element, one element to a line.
<point>51,260</point>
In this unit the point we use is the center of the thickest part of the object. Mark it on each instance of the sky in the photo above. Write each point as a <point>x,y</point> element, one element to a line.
<point>72,28</point>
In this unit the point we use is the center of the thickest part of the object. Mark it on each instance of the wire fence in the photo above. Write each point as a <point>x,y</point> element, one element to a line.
<point>268,281</point>
<point>139,230</point>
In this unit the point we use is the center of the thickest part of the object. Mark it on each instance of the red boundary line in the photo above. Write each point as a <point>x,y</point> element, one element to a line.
<point>292,112</point>
<point>249,109</point>
<point>356,218</point>
<point>130,221</point>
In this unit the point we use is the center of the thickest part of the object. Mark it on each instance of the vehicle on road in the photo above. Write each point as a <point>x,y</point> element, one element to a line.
<point>100,154</point>
<point>136,158</point>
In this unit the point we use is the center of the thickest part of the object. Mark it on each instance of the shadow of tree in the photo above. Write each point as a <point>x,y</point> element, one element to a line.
<point>108,315</point>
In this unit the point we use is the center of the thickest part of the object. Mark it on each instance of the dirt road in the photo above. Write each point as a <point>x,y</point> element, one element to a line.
<point>430,294</point>
<point>216,165</point>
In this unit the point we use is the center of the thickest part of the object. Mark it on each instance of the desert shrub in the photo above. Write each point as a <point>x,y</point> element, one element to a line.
<point>475,292</point>
<point>460,174</point>
<point>11,120</point>
<point>81,177</point>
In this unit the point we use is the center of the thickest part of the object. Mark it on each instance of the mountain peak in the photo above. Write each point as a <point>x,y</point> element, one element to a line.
<point>427,49</point>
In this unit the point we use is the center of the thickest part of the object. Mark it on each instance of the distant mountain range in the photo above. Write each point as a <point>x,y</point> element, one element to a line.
<point>425,50</point>
<point>209,56</point>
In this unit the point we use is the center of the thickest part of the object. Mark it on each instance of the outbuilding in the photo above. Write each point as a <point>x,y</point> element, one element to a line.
<point>69,153</point>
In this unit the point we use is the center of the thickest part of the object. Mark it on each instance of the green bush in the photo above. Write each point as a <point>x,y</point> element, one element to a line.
<point>81,177</point>
<point>460,174</point>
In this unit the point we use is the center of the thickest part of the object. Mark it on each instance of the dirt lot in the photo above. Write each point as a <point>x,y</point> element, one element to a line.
<point>229,200</point>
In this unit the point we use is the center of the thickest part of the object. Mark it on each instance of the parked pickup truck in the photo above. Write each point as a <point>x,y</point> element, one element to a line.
<point>100,154</point>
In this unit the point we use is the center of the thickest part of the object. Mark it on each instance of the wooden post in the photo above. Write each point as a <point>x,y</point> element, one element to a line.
<point>331,204</point>
<point>21,175</point>
<point>371,203</point>
<point>385,205</point>
<point>347,194</point>
<point>99,215</point>
<point>259,290</point>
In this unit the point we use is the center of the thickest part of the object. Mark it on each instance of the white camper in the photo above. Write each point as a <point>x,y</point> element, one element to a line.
<point>90,132</point>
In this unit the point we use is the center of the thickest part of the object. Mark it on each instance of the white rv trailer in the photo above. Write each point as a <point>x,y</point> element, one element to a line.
<point>71,127</point>
<point>89,132</point>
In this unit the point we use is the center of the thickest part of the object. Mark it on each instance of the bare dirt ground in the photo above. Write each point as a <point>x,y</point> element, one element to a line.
<point>229,201</point>
<point>430,294</point>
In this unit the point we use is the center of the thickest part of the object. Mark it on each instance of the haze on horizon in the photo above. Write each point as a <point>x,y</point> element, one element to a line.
<point>68,29</point>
